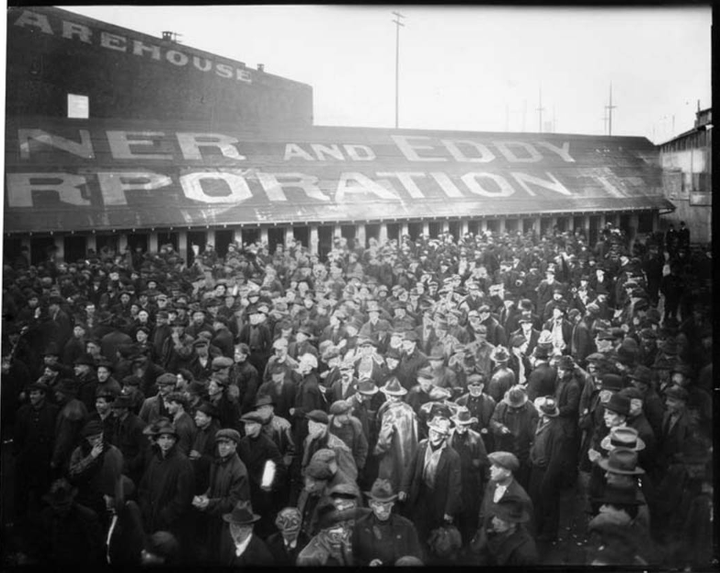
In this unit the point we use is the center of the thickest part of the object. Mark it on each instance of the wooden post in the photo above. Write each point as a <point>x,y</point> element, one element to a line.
<point>314,240</point>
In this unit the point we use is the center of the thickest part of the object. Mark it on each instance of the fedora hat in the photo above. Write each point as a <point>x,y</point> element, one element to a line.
<point>208,409</point>
<point>622,437</point>
<point>122,401</point>
<point>621,461</point>
<point>329,515</point>
<point>510,509</point>
<point>499,354</point>
<point>641,374</point>
<point>264,400</point>
<point>393,388</point>
<point>439,424</point>
<point>612,382</point>
<point>165,428</point>
<point>68,386</point>
<point>425,372</point>
<point>367,387</point>
<point>436,354</point>
<point>241,515</point>
<point>618,404</point>
<point>84,359</point>
<point>516,396</point>
<point>676,393</point>
<point>382,490</point>
<point>462,417</point>
<point>547,405</point>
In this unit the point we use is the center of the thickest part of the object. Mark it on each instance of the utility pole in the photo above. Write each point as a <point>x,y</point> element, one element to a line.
<point>609,109</point>
<point>397,64</point>
<point>540,109</point>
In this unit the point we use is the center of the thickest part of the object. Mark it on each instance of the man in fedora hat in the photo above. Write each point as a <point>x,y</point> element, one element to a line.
<point>546,460</point>
<point>380,537</point>
<point>502,377</point>
<point>278,429</point>
<point>84,366</point>
<point>344,387</point>
<point>286,543</point>
<point>506,540</point>
<point>473,469</point>
<point>641,378</point>
<point>411,360</point>
<point>398,433</point>
<point>349,429</point>
<point>245,377</point>
<point>332,546</point>
<point>677,424</point>
<point>128,437</point>
<point>165,491</point>
<point>567,395</point>
<point>247,548</point>
<point>432,481</point>
<point>542,380</point>
<point>513,425</point>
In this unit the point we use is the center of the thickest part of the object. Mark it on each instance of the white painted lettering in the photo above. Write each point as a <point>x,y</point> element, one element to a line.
<point>177,58</point>
<point>504,189</point>
<point>205,67</point>
<point>525,179</point>
<point>83,149</point>
<point>120,142</point>
<point>505,148</point>
<point>190,144</point>
<point>274,187</point>
<point>359,152</point>
<point>243,75</point>
<point>332,150</point>
<point>563,151</point>
<point>237,188</point>
<point>452,146</point>
<point>406,178</point>
<point>74,30</point>
<point>409,150</point>
<point>446,184</point>
<point>223,70</point>
<point>139,48</point>
<point>359,184</point>
<point>20,188</point>
<point>114,184</point>
<point>30,19</point>
<point>293,150</point>
<point>112,41</point>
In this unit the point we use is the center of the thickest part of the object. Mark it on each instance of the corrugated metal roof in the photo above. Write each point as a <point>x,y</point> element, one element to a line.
<point>90,175</point>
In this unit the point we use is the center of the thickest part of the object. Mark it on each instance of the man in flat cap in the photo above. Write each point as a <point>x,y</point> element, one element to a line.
<point>349,429</point>
<point>69,422</point>
<point>245,376</point>
<point>177,403</point>
<point>219,394</point>
<point>155,407</point>
<point>128,437</point>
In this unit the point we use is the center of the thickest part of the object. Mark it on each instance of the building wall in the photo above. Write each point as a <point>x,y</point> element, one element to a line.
<point>129,75</point>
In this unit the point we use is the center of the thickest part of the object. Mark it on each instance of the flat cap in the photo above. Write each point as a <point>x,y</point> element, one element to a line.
<point>318,416</point>
<point>505,460</point>
<point>228,434</point>
<point>221,362</point>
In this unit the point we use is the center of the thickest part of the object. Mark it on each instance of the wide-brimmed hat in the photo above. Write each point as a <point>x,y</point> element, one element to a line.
<point>382,490</point>
<point>393,387</point>
<point>165,428</point>
<point>208,409</point>
<point>367,387</point>
<point>621,461</point>
<point>510,509</point>
<point>547,405</point>
<point>462,417</point>
<point>622,437</point>
<point>516,396</point>
<point>329,515</point>
<point>92,428</point>
<point>505,460</point>
<point>264,400</point>
<point>84,359</point>
<point>440,424</point>
<point>241,515</point>
<point>619,496</point>
<point>641,374</point>
<point>68,386</point>
<point>676,393</point>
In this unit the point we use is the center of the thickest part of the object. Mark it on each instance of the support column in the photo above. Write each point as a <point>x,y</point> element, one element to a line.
<point>314,245</point>
<point>183,244</point>
<point>426,227</point>
<point>655,221</point>
<point>570,225</point>
<point>403,231</point>
<point>289,235</point>
<point>501,225</point>
<point>537,225</point>
<point>482,225</point>
<point>464,227</point>
<point>446,226</point>
<point>383,234</point>
<point>634,224</point>
<point>90,243</point>
<point>616,220</point>
<point>60,248</point>
<point>264,236</point>
<point>123,243</point>
<point>586,225</point>
<point>603,221</point>
<point>153,242</point>
<point>553,222</point>
<point>360,235</point>
<point>337,232</point>
<point>238,235</point>
<point>209,237</point>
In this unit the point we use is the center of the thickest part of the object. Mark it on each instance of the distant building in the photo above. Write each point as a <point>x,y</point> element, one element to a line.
<point>687,177</point>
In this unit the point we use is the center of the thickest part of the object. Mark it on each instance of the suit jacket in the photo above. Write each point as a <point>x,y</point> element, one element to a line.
<point>541,381</point>
<point>447,495</point>
<point>255,554</point>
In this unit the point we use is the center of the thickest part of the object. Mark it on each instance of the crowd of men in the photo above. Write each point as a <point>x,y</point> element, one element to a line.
<point>420,401</point>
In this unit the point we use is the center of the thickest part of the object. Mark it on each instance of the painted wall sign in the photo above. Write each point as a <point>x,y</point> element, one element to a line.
<point>139,46</point>
<point>112,173</point>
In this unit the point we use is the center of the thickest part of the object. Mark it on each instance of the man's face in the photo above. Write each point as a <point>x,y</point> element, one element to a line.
<point>499,473</point>
<point>313,485</point>
<point>165,389</point>
<point>436,438</point>
<point>240,356</point>
<point>227,447</point>
<point>674,405</point>
<point>173,408</point>
<point>336,534</point>
<point>252,429</point>
<point>141,336</point>
<point>78,332</point>
<point>316,429</point>
<point>81,370</point>
<point>613,419</point>
<point>143,316</point>
<point>103,374</point>
<point>392,363</point>
<point>408,346</point>
<point>36,397</point>
<point>603,345</point>
<point>382,509</point>
<point>214,388</point>
<point>202,420</point>
<point>636,406</point>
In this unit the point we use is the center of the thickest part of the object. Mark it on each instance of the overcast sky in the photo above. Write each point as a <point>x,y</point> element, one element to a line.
<point>474,68</point>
